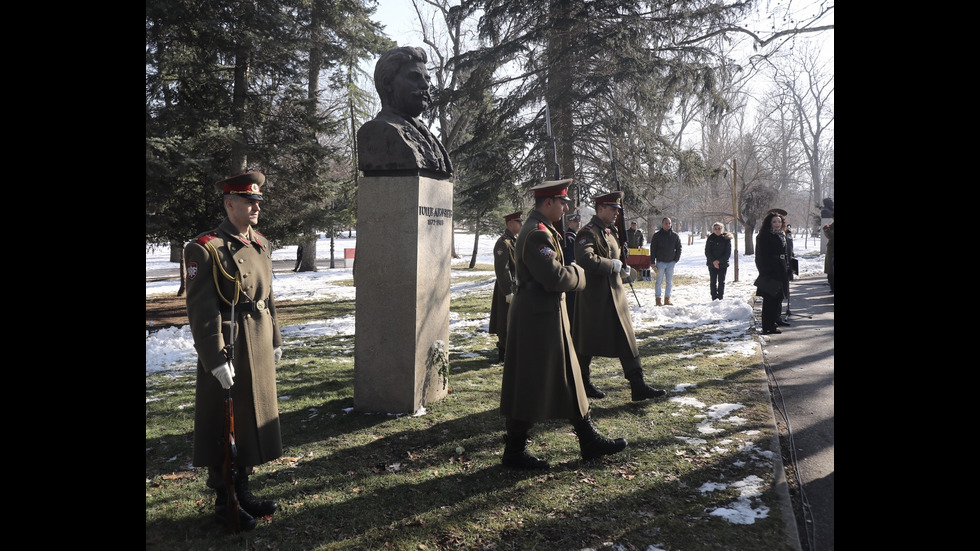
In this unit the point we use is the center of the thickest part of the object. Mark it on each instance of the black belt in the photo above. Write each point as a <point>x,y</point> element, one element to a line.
<point>247,306</point>
<point>529,285</point>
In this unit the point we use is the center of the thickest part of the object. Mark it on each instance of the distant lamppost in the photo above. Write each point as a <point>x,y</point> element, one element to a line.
<point>735,211</point>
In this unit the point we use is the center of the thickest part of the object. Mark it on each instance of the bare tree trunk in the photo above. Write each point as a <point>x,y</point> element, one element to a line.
<point>749,245</point>
<point>476,243</point>
<point>177,255</point>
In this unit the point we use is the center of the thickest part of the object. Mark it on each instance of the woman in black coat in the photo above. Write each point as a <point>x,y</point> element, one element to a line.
<point>718,249</point>
<point>770,259</point>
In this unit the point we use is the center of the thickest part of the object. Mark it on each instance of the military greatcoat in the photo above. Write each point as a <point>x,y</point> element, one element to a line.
<point>503,266</point>
<point>542,378</point>
<point>223,267</point>
<point>602,313</point>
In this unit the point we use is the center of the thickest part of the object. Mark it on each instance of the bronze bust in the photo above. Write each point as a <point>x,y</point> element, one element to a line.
<point>395,140</point>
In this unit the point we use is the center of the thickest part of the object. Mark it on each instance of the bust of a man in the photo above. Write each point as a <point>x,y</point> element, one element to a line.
<point>395,140</point>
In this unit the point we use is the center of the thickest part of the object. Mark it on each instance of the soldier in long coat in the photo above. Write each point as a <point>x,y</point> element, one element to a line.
<point>232,265</point>
<point>541,378</point>
<point>506,284</point>
<point>572,224</point>
<point>602,324</point>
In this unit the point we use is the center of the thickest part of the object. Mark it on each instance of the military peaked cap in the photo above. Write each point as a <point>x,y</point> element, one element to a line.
<point>614,198</point>
<point>248,185</point>
<point>553,188</point>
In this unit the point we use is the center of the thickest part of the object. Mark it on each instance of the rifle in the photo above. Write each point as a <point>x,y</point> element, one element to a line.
<point>554,148</point>
<point>621,220</point>
<point>230,467</point>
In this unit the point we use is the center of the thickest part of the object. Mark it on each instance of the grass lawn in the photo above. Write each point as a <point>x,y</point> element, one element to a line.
<point>697,474</point>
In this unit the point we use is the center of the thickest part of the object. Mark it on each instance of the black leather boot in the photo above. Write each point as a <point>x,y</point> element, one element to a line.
<point>591,390</point>
<point>639,389</point>
<point>515,448</point>
<point>246,522</point>
<point>591,443</point>
<point>500,354</point>
<point>252,505</point>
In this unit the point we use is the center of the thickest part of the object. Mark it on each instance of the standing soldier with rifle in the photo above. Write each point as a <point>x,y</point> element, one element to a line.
<point>233,320</point>
<point>602,325</point>
<point>506,284</point>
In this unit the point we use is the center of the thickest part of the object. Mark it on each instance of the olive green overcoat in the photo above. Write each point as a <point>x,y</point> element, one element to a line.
<point>257,334</point>
<point>828,261</point>
<point>602,311</point>
<point>503,267</point>
<point>542,378</point>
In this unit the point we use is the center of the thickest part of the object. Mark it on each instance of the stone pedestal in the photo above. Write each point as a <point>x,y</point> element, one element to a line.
<point>404,243</point>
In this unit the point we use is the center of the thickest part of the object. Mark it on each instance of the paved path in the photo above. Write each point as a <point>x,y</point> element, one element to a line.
<point>800,363</point>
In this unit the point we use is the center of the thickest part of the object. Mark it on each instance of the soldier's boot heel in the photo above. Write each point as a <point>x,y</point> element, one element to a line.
<point>639,390</point>
<point>252,505</point>
<point>591,390</point>
<point>516,455</point>
<point>246,522</point>
<point>591,443</point>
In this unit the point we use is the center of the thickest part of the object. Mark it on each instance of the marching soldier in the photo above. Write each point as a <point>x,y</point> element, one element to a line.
<point>602,324</point>
<point>506,285</point>
<point>572,224</point>
<point>231,266</point>
<point>541,378</point>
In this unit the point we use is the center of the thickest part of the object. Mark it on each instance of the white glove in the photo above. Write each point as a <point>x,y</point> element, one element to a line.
<point>626,271</point>
<point>617,265</point>
<point>509,298</point>
<point>225,374</point>
<point>277,353</point>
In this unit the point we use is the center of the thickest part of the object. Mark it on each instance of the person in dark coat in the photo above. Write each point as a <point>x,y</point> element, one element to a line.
<point>542,379</point>
<point>299,257</point>
<point>572,224</point>
<point>602,325</point>
<point>506,284</point>
<point>232,266</point>
<point>770,259</point>
<point>665,252</point>
<point>788,233</point>
<point>634,237</point>
<point>828,263</point>
<point>718,251</point>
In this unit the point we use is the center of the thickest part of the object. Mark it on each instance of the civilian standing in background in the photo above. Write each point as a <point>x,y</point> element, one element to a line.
<point>790,262</point>
<point>542,379</point>
<point>231,266</point>
<point>634,237</point>
<point>602,325</point>
<point>718,251</point>
<point>506,284</point>
<point>572,224</point>
<point>770,260</point>
<point>299,257</point>
<point>828,265</point>
<point>665,251</point>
